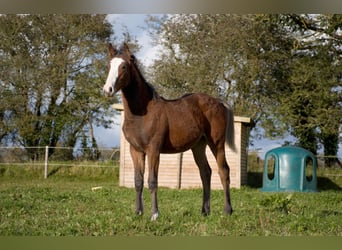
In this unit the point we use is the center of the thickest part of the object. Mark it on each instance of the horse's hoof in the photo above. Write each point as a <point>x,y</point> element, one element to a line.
<point>154,216</point>
<point>229,211</point>
<point>139,213</point>
<point>205,211</point>
<point>205,214</point>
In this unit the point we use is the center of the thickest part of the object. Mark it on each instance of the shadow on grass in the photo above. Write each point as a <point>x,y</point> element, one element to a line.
<point>324,184</point>
<point>2,171</point>
<point>54,171</point>
<point>254,180</point>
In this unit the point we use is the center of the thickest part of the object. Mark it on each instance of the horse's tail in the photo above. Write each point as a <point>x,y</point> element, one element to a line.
<point>230,135</point>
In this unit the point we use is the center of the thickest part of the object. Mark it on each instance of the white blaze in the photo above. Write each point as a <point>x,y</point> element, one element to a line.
<point>113,74</point>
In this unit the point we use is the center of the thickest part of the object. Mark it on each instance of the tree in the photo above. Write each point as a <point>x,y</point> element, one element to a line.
<point>316,76</point>
<point>281,70</point>
<point>239,58</point>
<point>51,78</point>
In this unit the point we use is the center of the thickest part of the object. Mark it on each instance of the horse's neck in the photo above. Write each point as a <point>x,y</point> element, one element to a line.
<point>136,96</point>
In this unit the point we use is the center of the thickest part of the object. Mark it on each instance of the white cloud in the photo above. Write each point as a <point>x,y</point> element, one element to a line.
<point>148,52</point>
<point>133,23</point>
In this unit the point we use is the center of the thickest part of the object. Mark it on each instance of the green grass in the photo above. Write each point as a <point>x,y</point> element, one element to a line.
<point>66,204</point>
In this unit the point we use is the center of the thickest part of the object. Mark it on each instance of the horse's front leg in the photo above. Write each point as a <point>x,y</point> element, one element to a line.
<point>153,165</point>
<point>139,169</point>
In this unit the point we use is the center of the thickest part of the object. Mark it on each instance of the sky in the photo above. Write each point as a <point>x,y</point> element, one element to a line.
<point>135,24</point>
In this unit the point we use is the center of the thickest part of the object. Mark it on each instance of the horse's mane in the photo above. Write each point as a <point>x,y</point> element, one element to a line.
<point>149,86</point>
<point>176,99</point>
<point>136,64</point>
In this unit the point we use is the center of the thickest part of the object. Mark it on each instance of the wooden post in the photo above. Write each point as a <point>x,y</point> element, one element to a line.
<point>180,164</point>
<point>46,162</point>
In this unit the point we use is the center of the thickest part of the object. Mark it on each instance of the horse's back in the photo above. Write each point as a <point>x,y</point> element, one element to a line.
<point>191,118</point>
<point>196,106</point>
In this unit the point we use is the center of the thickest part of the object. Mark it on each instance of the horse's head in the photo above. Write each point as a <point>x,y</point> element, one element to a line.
<point>119,70</point>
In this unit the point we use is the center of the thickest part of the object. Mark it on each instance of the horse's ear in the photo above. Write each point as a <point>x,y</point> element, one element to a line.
<point>127,51</point>
<point>132,58</point>
<point>112,50</point>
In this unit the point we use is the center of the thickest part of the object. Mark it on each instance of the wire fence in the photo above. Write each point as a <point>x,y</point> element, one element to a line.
<point>46,157</point>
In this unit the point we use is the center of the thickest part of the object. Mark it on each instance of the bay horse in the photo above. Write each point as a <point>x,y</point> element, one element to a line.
<point>154,125</point>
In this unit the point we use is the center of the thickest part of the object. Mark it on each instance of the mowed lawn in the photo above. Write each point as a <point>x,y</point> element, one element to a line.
<point>76,201</point>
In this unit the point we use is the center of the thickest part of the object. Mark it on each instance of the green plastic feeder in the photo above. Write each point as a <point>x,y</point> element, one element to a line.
<point>289,169</point>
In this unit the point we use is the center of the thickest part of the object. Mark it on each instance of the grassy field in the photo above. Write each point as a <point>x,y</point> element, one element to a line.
<point>85,201</point>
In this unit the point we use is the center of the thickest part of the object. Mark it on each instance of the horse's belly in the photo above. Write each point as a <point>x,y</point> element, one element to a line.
<point>180,141</point>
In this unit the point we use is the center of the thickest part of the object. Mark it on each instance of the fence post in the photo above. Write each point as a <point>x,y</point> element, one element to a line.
<point>46,162</point>
<point>179,174</point>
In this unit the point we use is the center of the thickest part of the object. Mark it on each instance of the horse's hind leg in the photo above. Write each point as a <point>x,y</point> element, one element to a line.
<point>139,169</point>
<point>205,173</point>
<point>224,173</point>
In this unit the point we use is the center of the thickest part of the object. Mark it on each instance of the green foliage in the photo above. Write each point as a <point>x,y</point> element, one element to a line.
<point>240,58</point>
<point>283,71</point>
<point>312,105</point>
<point>83,202</point>
<point>51,76</point>
<point>277,202</point>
